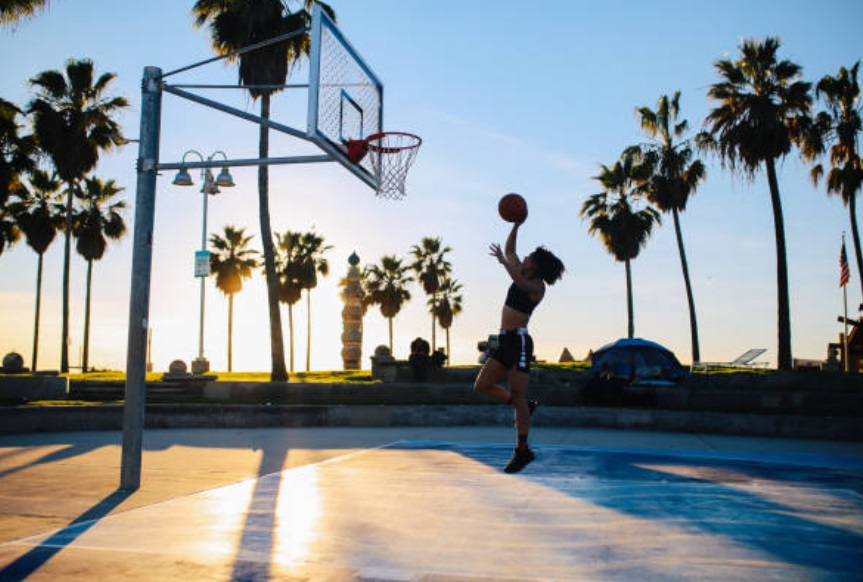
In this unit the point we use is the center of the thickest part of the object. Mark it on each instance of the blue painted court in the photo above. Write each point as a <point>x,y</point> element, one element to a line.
<point>428,510</point>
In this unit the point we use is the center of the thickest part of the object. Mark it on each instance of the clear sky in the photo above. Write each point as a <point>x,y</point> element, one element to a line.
<point>507,96</point>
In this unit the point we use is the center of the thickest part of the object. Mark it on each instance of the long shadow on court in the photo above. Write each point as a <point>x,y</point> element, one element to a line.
<point>663,488</point>
<point>254,554</point>
<point>28,563</point>
<point>63,454</point>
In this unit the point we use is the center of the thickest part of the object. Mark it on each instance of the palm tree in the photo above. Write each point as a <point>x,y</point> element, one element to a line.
<point>231,262</point>
<point>9,231</point>
<point>431,267</point>
<point>72,121</point>
<point>674,178</point>
<point>313,263</point>
<point>17,152</point>
<point>622,228</point>
<point>289,267</point>
<point>235,24</point>
<point>14,11</point>
<point>40,218</point>
<point>840,125</point>
<point>763,109</point>
<point>100,219</point>
<point>386,286</point>
<point>16,158</point>
<point>449,305</point>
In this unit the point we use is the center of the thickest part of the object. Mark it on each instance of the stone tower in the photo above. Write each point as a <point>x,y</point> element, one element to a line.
<point>352,316</point>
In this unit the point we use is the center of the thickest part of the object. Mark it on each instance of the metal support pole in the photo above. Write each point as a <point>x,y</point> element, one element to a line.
<point>204,191</point>
<point>139,300</point>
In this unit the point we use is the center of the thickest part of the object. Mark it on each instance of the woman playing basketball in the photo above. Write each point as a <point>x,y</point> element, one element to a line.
<point>510,358</point>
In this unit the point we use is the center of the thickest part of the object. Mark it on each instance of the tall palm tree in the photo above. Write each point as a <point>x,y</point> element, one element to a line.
<point>100,219</point>
<point>839,126</point>
<point>9,231</point>
<point>431,267</point>
<point>14,11</point>
<point>763,109</point>
<point>448,306</point>
<point>73,121</point>
<point>674,178</point>
<point>614,218</point>
<point>289,268</point>
<point>235,24</point>
<point>40,218</point>
<point>16,158</point>
<point>231,262</point>
<point>313,264</point>
<point>387,286</point>
<point>17,152</point>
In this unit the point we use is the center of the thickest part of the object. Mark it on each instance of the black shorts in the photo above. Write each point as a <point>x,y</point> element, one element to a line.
<point>514,350</point>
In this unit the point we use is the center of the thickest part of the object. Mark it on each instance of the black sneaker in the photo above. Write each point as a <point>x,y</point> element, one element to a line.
<point>520,459</point>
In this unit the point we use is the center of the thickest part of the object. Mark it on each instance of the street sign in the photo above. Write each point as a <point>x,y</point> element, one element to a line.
<point>202,263</point>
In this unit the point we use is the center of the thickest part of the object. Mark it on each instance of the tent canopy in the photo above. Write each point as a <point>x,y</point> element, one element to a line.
<point>637,359</point>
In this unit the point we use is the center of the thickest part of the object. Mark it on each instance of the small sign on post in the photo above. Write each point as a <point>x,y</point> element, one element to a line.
<point>202,263</point>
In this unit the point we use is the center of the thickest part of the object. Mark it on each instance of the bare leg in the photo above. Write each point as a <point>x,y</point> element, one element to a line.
<point>523,455</point>
<point>518,387</point>
<point>487,380</point>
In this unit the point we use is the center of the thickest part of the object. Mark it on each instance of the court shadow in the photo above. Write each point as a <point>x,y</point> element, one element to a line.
<point>762,505</point>
<point>63,454</point>
<point>30,562</point>
<point>253,560</point>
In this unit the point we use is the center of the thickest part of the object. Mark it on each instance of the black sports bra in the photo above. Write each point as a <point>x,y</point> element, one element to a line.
<point>519,299</point>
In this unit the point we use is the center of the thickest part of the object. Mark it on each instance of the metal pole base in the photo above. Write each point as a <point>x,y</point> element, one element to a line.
<point>200,366</point>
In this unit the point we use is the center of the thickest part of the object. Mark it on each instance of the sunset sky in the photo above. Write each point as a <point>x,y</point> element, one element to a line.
<point>508,97</point>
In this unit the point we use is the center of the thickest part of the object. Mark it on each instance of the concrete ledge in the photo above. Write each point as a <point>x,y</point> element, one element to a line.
<point>25,388</point>
<point>30,419</point>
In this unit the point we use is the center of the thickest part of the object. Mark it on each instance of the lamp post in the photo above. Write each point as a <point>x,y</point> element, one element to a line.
<point>209,186</point>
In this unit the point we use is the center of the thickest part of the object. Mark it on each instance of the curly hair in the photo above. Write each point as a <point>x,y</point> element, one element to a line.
<point>549,268</point>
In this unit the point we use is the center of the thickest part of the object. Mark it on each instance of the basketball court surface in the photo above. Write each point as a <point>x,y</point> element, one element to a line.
<point>436,510</point>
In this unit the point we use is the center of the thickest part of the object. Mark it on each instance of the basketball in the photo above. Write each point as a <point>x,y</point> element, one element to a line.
<point>357,150</point>
<point>512,208</point>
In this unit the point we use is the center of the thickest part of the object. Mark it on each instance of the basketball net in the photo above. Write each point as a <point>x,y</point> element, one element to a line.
<point>393,153</point>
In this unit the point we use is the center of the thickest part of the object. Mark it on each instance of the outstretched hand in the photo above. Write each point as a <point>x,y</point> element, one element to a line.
<point>495,251</point>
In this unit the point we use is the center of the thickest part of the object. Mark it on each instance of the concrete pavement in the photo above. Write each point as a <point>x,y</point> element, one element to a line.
<point>430,503</point>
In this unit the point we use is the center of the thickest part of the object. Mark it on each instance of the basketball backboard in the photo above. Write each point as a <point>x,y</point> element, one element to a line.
<point>345,97</point>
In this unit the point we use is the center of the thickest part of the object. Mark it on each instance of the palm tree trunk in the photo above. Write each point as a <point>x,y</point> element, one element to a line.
<point>629,305</point>
<point>38,308</point>
<point>782,301</point>
<point>277,346</point>
<point>390,321</point>
<point>855,235</point>
<point>693,323</point>
<point>86,357</point>
<point>308,328</point>
<point>230,332</point>
<point>291,332</point>
<point>67,252</point>
<point>448,362</point>
<point>434,320</point>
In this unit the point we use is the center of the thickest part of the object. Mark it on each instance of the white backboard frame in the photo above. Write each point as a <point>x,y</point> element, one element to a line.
<point>346,98</point>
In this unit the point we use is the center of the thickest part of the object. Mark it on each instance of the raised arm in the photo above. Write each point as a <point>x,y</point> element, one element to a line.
<point>509,259</point>
<point>511,240</point>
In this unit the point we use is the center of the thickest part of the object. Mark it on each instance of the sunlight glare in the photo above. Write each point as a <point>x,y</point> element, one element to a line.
<point>298,512</point>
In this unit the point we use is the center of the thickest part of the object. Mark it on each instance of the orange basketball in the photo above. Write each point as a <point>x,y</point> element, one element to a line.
<point>512,208</point>
<point>357,150</point>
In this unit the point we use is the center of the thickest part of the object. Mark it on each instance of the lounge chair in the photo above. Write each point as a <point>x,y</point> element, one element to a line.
<point>744,360</point>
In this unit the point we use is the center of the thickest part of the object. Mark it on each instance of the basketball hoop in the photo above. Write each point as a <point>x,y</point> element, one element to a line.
<point>393,153</point>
